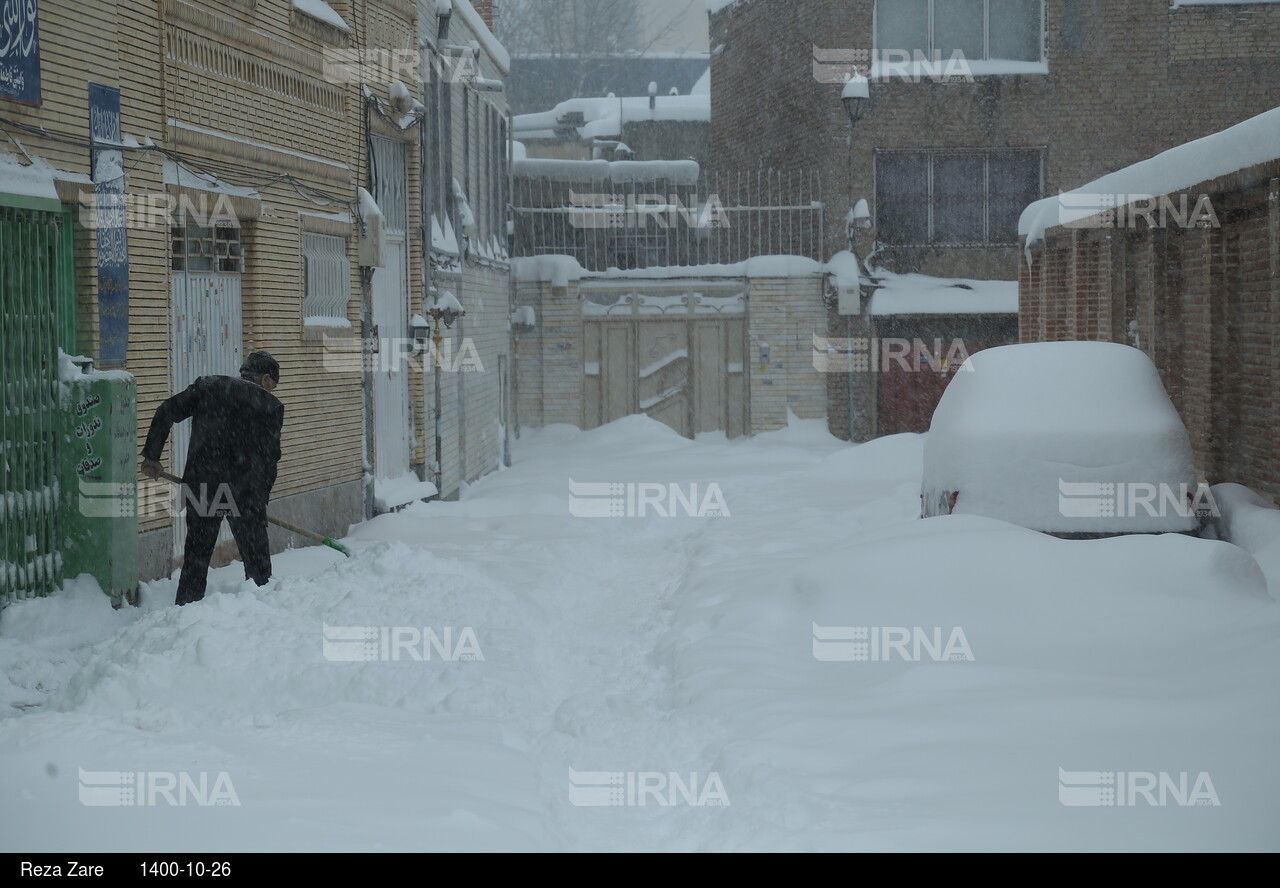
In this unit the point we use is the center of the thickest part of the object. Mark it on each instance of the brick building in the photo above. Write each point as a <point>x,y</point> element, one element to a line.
<point>1046,95</point>
<point>244,136</point>
<point>1191,276</point>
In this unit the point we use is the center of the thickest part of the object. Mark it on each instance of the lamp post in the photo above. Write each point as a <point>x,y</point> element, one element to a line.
<point>444,309</point>
<point>856,97</point>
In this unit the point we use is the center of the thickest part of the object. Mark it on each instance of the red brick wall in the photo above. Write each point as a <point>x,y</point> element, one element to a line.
<point>488,9</point>
<point>1205,305</point>
<point>1127,79</point>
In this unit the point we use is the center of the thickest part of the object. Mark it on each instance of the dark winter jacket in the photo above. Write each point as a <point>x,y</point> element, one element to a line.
<point>235,436</point>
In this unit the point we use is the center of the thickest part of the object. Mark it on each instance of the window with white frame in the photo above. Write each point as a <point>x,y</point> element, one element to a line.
<point>326,279</point>
<point>977,29</point>
<point>954,197</point>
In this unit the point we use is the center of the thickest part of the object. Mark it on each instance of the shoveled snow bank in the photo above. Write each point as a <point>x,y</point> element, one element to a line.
<point>918,294</point>
<point>1025,420</point>
<point>1255,141</point>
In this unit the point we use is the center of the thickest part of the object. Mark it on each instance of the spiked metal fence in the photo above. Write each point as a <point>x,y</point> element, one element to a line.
<point>717,218</point>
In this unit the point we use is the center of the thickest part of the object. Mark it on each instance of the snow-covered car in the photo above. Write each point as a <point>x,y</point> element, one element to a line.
<point>1068,438</point>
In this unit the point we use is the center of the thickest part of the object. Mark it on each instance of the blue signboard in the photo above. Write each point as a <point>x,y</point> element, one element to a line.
<point>111,225</point>
<point>19,51</point>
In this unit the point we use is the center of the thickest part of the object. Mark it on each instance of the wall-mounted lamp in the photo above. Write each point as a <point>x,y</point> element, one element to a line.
<point>856,96</point>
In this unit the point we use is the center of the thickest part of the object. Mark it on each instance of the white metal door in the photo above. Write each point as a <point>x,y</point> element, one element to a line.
<point>206,342</point>
<point>392,431</point>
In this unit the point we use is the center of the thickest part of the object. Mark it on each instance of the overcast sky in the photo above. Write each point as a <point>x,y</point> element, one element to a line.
<point>689,20</point>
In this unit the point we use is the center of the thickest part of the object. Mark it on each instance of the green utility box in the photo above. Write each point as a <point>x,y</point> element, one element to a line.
<point>97,470</point>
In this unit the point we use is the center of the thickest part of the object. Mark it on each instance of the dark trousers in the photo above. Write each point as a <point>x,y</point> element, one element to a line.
<point>250,532</point>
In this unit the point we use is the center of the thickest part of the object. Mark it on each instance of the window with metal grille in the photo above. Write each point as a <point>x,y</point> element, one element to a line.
<point>206,248</point>
<point>326,276</point>
<point>954,197</point>
<point>977,29</point>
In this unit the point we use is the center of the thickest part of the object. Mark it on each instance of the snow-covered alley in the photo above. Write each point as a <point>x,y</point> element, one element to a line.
<point>684,654</point>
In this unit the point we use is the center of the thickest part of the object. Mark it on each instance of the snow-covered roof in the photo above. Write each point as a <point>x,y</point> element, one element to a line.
<point>558,270</point>
<point>604,117</point>
<point>677,171</point>
<point>26,180</point>
<point>703,86</point>
<point>1255,141</point>
<point>714,6</point>
<point>919,294</point>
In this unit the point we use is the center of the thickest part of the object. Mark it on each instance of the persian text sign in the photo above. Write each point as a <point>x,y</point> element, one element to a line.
<point>112,225</point>
<point>19,51</point>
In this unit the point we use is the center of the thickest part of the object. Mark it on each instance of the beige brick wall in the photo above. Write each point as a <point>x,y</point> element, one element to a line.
<point>785,312</point>
<point>470,437</point>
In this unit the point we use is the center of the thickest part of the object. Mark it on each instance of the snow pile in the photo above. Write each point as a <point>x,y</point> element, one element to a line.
<point>466,218</point>
<point>446,301</point>
<point>1028,421</point>
<point>918,294</point>
<point>549,268</point>
<point>322,11</point>
<point>78,368</point>
<point>391,493</point>
<point>1255,141</point>
<point>1253,524</point>
<point>657,646</point>
<point>325,320</point>
<point>369,209</point>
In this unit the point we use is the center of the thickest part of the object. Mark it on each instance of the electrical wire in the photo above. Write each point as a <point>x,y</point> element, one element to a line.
<point>201,167</point>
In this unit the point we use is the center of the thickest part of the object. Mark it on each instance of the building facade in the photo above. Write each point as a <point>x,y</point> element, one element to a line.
<point>260,176</point>
<point>1191,276</point>
<point>974,110</point>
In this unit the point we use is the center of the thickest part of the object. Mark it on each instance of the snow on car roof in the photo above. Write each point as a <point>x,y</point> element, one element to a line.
<point>1020,425</point>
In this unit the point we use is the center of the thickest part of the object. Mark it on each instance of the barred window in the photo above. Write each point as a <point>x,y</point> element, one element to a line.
<point>326,276</point>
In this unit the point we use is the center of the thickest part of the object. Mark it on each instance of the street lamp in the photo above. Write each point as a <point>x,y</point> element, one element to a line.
<point>856,97</point>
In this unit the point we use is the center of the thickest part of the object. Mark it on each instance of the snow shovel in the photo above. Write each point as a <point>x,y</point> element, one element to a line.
<point>292,528</point>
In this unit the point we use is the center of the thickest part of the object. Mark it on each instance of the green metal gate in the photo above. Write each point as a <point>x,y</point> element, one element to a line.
<point>36,318</point>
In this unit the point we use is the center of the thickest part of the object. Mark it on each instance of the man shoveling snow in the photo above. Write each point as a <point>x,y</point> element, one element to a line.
<point>230,469</point>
